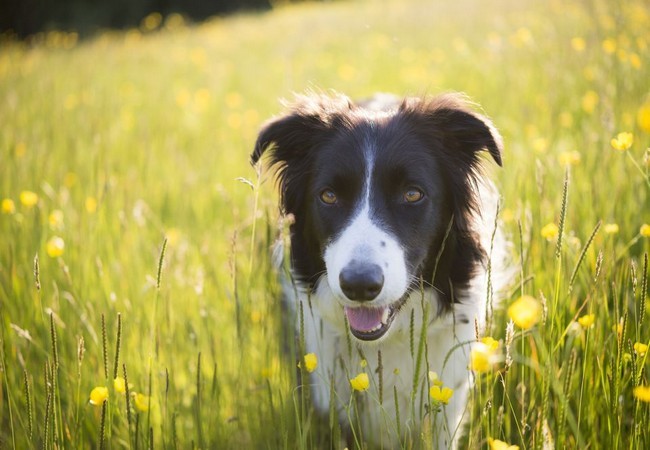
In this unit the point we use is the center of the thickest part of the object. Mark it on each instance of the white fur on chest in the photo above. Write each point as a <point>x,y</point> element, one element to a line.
<point>445,352</point>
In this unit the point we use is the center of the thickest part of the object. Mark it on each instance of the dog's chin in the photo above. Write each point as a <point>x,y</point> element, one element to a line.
<point>372,323</point>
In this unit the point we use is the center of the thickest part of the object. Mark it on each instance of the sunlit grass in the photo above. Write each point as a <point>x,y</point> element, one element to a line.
<point>131,249</point>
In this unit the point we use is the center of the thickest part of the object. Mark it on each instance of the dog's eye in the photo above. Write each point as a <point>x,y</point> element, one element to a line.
<point>413,195</point>
<point>328,197</point>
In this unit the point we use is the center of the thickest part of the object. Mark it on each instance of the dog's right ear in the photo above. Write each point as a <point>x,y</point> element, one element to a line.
<point>286,138</point>
<point>292,136</point>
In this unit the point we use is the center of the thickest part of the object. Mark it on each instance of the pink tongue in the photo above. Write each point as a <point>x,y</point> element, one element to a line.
<point>364,319</point>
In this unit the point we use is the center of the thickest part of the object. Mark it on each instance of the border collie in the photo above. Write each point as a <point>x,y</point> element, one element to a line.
<point>393,225</point>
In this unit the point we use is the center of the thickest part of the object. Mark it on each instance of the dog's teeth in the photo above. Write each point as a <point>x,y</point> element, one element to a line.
<point>384,317</point>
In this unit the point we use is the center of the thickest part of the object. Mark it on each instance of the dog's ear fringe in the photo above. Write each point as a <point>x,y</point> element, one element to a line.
<point>455,114</point>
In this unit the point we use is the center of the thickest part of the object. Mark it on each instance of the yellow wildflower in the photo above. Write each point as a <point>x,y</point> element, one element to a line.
<point>361,382</point>
<point>91,204</point>
<point>578,44</point>
<point>645,230</point>
<point>640,348</point>
<point>609,46</point>
<point>8,206</point>
<point>642,393</point>
<point>491,343</point>
<point>618,328</point>
<point>20,149</point>
<point>151,22</point>
<point>587,321</point>
<point>119,385</point>
<point>55,247</point>
<point>590,101</point>
<point>569,158</point>
<point>643,117</point>
<point>28,198</point>
<point>70,179</point>
<point>311,362</point>
<point>566,119</point>
<point>496,444</point>
<point>56,219</point>
<point>98,395</point>
<point>611,228</point>
<point>363,363</point>
<point>635,60</point>
<point>550,231</point>
<point>441,394</point>
<point>434,380</point>
<point>481,358</point>
<point>622,141</point>
<point>525,312</point>
<point>141,401</point>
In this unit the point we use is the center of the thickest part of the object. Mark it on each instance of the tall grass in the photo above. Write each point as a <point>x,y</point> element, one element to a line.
<point>136,143</point>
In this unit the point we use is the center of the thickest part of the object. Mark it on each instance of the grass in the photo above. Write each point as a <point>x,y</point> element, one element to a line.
<point>136,144</point>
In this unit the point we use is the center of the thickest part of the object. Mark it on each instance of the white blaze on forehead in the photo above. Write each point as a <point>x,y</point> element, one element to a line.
<point>367,243</point>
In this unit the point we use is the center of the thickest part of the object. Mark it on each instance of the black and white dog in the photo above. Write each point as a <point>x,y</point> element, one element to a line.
<point>393,229</point>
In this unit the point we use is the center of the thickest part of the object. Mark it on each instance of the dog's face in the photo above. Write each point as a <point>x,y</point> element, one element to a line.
<point>379,196</point>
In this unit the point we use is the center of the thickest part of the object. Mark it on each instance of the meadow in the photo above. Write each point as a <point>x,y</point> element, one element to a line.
<point>135,236</point>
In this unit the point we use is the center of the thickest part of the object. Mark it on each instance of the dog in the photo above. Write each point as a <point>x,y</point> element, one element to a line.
<point>393,232</point>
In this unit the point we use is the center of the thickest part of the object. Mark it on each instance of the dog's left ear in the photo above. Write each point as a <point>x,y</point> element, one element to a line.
<point>459,129</point>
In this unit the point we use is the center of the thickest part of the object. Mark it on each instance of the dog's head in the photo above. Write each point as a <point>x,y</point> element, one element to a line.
<point>383,194</point>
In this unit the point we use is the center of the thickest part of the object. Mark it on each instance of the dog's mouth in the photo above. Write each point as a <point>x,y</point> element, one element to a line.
<point>370,323</point>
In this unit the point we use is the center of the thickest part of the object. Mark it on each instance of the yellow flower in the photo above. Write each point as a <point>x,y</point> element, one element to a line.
<point>91,204</point>
<point>311,362</point>
<point>645,230</point>
<point>28,198</point>
<point>642,393</point>
<point>141,402</point>
<point>550,231</point>
<point>481,358</point>
<point>8,206</point>
<point>361,382</point>
<point>56,219</point>
<point>441,394</point>
<point>609,46</point>
<point>611,228</point>
<point>525,312</point>
<point>622,141</point>
<point>55,247</point>
<point>643,117</point>
<point>151,22</point>
<point>618,328</point>
<point>496,444</point>
<point>363,363</point>
<point>569,158</point>
<point>119,385</point>
<point>590,101</point>
<point>640,348</point>
<point>587,321</point>
<point>98,395</point>
<point>434,380</point>
<point>491,343</point>
<point>578,44</point>
<point>70,179</point>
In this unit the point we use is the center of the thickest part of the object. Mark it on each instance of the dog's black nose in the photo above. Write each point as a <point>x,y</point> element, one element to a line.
<point>361,282</point>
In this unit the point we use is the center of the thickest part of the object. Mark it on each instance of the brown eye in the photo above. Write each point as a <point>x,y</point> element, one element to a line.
<point>413,195</point>
<point>328,197</point>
